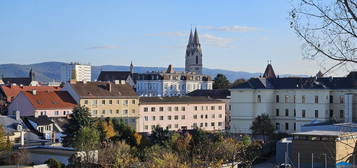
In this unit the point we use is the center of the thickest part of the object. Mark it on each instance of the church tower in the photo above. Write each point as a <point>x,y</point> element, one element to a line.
<point>193,54</point>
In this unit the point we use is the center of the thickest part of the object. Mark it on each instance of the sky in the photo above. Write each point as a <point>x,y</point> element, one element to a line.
<point>237,35</point>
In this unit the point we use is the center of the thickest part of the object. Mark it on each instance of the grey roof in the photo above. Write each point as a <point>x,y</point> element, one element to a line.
<point>324,133</point>
<point>10,124</point>
<point>103,90</point>
<point>349,82</point>
<point>115,75</point>
<point>17,81</point>
<point>215,93</point>
<point>40,120</point>
<point>178,100</point>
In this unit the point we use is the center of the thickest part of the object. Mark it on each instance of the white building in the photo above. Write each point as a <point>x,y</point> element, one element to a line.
<point>171,83</point>
<point>293,101</point>
<point>76,71</point>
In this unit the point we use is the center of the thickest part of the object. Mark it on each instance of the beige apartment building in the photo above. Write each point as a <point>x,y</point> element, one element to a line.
<point>107,99</point>
<point>181,113</point>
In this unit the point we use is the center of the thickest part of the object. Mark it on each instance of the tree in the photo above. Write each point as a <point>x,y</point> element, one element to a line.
<point>118,154</point>
<point>87,141</point>
<point>125,133</point>
<point>328,28</point>
<point>248,153</point>
<point>161,157</point>
<point>237,82</point>
<point>5,144</point>
<point>106,129</point>
<point>80,118</point>
<point>262,125</point>
<point>160,136</point>
<point>221,82</point>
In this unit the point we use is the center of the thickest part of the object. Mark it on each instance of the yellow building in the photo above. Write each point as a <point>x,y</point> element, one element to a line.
<point>107,99</point>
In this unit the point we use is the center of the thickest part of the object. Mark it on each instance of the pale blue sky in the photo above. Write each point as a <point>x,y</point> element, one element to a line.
<point>235,34</point>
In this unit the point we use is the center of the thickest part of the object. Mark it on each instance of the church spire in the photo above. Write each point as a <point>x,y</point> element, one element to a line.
<point>195,37</point>
<point>269,71</point>
<point>190,39</point>
<point>131,67</point>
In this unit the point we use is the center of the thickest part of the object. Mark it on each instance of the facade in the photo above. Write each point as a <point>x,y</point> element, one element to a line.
<point>193,61</point>
<point>41,125</point>
<point>42,103</point>
<point>107,99</point>
<point>181,113</point>
<point>171,83</point>
<point>223,95</point>
<point>76,71</point>
<point>320,149</point>
<point>293,101</point>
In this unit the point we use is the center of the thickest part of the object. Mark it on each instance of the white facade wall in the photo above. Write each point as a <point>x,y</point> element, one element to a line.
<point>83,72</point>
<point>293,111</point>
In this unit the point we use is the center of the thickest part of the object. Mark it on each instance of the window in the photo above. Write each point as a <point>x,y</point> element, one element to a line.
<point>294,126</point>
<point>176,125</point>
<point>118,101</point>
<point>331,113</point>
<point>161,117</point>
<point>287,112</point>
<point>183,117</point>
<point>303,99</point>
<point>303,113</point>
<point>220,123</point>
<point>110,111</point>
<point>213,116</point>
<point>103,111</point>
<point>286,126</point>
<point>342,100</point>
<point>95,112</point>
<point>294,112</point>
<point>331,99</point>
<point>146,127</point>
<point>176,108</point>
<point>316,99</point>
<point>342,114</point>
<point>56,112</point>
<point>85,101</point>
<point>133,111</point>
<point>169,108</point>
<point>146,109</point>
<point>126,102</point>
<point>169,117</point>
<point>176,117</point>
<point>125,111</point>
<point>277,98</point>
<point>152,109</point>
<point>169,126</point>
<point>110,101</point>
<point>286,99</point>
<point>146,118</point>
<point>133,102</point>
<point>103,101</point>
<point>196,60</point>
<point>194,125</point>
<point>316,113</point>
<point>259,99</point>
<point>201,124</point>
<point>194,116</point>
<point>206,124</point>
<point>183,109</point>
<point>161,109</point>
<point>277,112</point>
<point>196,108</point>
<point>277,126</point>
<point>219,115</point>
<point>212,124</point>
<point>206,116</point>
<point>219,107</point>
<point>294,99</point>
<point>201,116</point>
<point>94,102</point>
<point>117,111</point>
<point>153,118</point>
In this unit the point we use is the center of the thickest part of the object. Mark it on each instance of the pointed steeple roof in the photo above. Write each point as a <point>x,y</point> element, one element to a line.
<point>131,67</point>
<point>190,38</point>
<point>170,69</point>
<point>195,37</point>
<point>319,74</point>
<point>269,72</point>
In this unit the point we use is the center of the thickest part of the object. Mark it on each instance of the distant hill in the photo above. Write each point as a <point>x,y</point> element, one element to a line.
<point>50,71</point>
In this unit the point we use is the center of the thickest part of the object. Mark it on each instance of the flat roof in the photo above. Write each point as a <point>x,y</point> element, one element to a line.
<point>324,133</point>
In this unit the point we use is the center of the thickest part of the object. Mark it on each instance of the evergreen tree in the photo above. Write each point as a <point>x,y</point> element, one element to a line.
<point>221,82</point>
<point>262,125</point>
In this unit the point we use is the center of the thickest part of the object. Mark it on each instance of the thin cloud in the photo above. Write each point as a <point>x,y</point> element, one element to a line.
<point>231,28</point>
<point>103,47</point>
<point>216,41</point>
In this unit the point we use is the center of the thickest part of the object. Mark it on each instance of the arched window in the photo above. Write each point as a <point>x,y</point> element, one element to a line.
<point>196,59</point>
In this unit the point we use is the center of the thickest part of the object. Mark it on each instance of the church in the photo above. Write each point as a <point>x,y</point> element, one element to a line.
<point>168,82</point>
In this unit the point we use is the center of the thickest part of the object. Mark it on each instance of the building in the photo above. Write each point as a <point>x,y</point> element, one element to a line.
<point>219,94</point>
<point>193,61</point>
<point>76,72</point>
<point>181,113</point>
<point>129,76</point>
<point>107,99</point>
<point>293,101</point>
<point>9,92</point>
<point>171,83</point>
<point>42,103</point>
<point>320,149</point>
<point>41,125</point>
<point>20,81</point>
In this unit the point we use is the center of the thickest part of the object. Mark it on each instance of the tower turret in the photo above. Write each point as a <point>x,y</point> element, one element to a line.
<point>193,62</point>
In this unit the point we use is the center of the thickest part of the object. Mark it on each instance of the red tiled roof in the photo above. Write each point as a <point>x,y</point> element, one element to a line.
<point>50,99</point>
<point>12,91</point>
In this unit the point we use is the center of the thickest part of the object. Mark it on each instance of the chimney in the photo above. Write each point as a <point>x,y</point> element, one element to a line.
<point>17,115</point>
<point>109,86</point>
<point>34,92</point>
